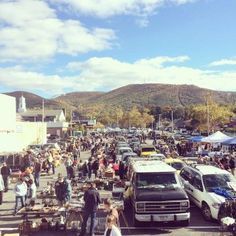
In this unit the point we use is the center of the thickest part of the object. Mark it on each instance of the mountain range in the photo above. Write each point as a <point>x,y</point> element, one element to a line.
<point>130,95</point>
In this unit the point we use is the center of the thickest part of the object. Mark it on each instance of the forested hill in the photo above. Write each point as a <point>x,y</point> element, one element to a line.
<point>131,95</point>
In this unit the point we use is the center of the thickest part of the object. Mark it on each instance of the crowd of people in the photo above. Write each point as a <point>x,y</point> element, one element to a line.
<point>102,158</point>
<point>44,161</point>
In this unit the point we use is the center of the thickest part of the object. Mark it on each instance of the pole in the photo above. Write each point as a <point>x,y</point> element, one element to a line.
<point>71,114</point>
<point>43,111</point>
<point>159,121</point>
<point>172,121</point>
<point>117,122</point>
<point>208,119</point>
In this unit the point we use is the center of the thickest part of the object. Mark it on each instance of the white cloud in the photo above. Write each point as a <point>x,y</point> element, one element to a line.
<point>224,62</point>
<point>97,74</point>
<point>111,73</point>
<point>18,78</point>
<point>104,9</point>
<point>30,30</point>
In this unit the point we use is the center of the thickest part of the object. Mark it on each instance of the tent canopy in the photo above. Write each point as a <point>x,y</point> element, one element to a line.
<point>231,141</point>
<point>217,137</point>
<point>196,139</point>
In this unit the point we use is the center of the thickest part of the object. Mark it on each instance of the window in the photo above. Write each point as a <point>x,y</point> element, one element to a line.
<point>197,182</point>
<point>218,181</point>
<point>177,165</point>
<point>186,175</point>
<point>155,180</point>
<point>148,149</point>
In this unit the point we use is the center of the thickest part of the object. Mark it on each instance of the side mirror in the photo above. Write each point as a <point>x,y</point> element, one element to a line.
<point>185,182</point>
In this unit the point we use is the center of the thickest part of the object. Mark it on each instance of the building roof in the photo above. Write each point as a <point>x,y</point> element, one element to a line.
<point>33,113</point>
<point>152,166</point>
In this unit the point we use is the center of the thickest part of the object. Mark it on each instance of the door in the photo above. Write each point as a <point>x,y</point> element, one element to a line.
<point>196,189</point>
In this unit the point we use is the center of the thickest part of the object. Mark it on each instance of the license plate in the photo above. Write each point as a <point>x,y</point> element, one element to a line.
<point>164,218</point>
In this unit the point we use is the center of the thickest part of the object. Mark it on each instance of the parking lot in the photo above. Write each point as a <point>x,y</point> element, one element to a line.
<point>198,226</point>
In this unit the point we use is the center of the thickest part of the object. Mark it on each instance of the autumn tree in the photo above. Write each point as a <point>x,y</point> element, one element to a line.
<point>212,113</point>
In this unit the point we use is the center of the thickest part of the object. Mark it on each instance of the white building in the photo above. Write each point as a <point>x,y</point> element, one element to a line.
<point>54,118</point>
<point>15,136</point>
<point>22,105</point>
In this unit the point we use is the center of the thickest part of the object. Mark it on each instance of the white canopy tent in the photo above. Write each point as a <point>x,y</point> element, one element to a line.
<point>217,137</point>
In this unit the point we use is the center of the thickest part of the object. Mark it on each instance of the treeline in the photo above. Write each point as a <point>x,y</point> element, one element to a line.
<point>199,116</point>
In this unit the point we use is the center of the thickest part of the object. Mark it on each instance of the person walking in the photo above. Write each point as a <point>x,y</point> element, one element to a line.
<point>111,210</point>
<point>31,193</point>
<point>6,172</point>
<point>2,188</point>
<point>60,190</point>
<point>111,227</point>
<point>232,165</point>
<point>68,163</point>
<point>91,199</point>
<point>37,171</point>
<point>20,191</point>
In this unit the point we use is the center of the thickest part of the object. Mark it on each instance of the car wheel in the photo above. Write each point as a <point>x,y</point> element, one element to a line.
<point>206,212</point>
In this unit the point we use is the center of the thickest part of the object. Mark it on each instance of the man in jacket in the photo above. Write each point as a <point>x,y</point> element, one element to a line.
<point>37,171</point>
<point>60,190</point>
<point>5,171</point>
<point>1,189</point>
<point>232,165</point>
<point>91,199</point>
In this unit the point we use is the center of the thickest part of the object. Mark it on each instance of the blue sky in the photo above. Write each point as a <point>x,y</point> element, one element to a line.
<point>52,47</point>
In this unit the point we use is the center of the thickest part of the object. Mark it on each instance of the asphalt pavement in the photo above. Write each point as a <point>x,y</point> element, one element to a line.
<point>198,226</point>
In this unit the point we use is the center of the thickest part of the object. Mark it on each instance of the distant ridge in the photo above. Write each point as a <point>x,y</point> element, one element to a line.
<point>149,95</point>
<point>130,95</point>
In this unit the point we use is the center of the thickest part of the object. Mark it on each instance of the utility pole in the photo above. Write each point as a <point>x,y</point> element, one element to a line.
<point>71,114</point>
<point>172,120</point>
<point>43,112</point>
<point>208,118</point>
<point>159,121</point>
<point>208,100</point>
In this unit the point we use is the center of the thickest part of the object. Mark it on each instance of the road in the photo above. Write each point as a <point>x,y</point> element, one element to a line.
<point>197,224</point>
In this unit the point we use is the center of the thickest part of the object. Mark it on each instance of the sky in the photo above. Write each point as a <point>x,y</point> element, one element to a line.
<point>52,47</point>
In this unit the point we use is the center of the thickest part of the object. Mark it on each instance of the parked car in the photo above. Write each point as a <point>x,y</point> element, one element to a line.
<point>176,163</point>
<point>120,151</point>
<point>158,156</point>
<point>156,194</point>
<point>207,187</point>
<point>51,146</point>
<point>127,155</point>
<point>147,150</point>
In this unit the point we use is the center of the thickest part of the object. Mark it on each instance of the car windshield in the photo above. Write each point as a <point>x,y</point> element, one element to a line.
<point>156,180</point>
<point>225,181</point>
<point>124,151</point>
<point>177,165</point>
<point>148,149</point>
